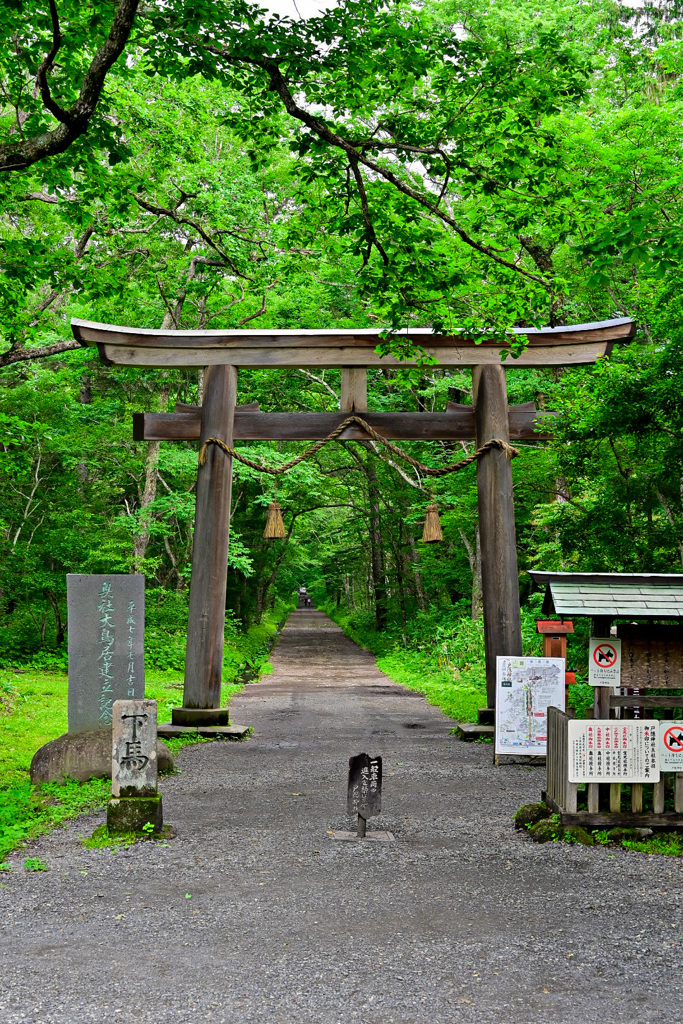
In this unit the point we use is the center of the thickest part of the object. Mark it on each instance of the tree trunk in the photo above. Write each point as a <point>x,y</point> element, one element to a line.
<point>419,588</point>
<point>672,519</point>
<point>58,617</point>
<point>474,558</point>
<point>149,493</point>
<point>400,586</point>
<point>379,583</point>
<point>263,589</point>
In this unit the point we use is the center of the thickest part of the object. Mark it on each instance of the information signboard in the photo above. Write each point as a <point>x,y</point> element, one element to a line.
<point>526,688</point>
<point>604,662</point>
<point>671,746</point>
<point>613,751</point>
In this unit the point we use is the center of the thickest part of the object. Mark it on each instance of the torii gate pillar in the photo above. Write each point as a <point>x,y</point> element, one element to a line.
<point>499,574</point>
<point>206,622</point>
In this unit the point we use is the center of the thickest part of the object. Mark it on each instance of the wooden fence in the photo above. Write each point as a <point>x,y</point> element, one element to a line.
<point>658,804</point>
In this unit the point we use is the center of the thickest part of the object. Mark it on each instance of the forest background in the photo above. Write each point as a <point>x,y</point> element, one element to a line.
<point>450,164</point>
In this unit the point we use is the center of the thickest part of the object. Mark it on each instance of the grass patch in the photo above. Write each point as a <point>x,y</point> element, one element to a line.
<point>666,844</point>
<point>458,693</point>
<point>35,864</point>
<point>27,811</point>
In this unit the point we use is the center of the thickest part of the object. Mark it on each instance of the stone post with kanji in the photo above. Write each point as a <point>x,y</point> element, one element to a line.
<point>135,804</point>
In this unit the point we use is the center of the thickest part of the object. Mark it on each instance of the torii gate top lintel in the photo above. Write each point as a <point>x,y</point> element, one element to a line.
<point>546,346</point>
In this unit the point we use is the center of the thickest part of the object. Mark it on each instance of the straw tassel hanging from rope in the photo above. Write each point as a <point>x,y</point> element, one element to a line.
<point>432,527</point>
<point>275,527</point>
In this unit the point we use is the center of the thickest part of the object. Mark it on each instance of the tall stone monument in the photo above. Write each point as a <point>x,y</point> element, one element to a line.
<point>106,631</point>
<point>135,802</point>
<point>106,646</point>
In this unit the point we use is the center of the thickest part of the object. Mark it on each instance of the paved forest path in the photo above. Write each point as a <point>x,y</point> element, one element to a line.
<point>461,919</point>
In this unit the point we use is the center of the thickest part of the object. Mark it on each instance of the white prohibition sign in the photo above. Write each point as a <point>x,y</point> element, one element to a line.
<point>605,655</point>
<point>673,739</point>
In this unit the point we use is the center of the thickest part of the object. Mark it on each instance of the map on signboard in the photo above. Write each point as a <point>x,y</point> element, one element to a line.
<point>526,688</point>
<point>610,751</point>
<point>604,662</point>
<point>671,746</point>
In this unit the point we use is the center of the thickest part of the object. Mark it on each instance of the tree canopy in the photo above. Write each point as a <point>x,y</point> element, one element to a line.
<point>453,165</point>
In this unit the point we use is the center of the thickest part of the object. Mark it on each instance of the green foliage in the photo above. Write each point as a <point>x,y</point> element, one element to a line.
<point>35,864</point>
<point>665,844</point>
<point>27,811</point>
<point>581,698</point>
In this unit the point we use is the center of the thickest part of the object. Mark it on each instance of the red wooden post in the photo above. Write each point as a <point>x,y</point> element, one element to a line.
<point>555,646</point>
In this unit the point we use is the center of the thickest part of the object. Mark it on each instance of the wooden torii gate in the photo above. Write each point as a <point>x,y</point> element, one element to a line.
<point>221,353</point>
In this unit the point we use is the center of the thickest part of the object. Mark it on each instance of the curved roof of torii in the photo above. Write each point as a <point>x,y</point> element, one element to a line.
<point>546,346</point>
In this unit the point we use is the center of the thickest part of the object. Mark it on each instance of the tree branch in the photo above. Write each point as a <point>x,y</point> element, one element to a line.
<point>74,122</point>
<point>22,355</point>
<point>47,62</point>
<point>162,211</point>
<point>262,310</point>
<point>279,85</point>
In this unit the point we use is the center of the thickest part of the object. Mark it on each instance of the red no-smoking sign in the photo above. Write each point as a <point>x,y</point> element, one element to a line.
<point>605,655</point>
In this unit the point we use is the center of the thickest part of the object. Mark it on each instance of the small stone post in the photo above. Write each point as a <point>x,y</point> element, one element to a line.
<point>135,801</point>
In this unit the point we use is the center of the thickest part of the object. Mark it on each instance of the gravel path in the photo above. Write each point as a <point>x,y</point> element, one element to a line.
<point>460,919</point>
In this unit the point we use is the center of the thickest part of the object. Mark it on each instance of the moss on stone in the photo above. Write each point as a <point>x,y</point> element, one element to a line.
<point>529,814</point>
<point>617,835</point>
<point>546,831</point>
<point>132,814</point>
<point>578,834</point>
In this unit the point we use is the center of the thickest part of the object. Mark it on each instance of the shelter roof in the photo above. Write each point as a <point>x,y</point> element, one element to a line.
<point>613,594</point>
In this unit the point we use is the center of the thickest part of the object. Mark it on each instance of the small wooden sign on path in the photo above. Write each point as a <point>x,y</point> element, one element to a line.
<point>365,789</point>
<point>364,797</point>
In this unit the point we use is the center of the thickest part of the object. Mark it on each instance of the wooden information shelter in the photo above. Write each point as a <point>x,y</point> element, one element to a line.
<point>648,611</point>
<point>221,353</point>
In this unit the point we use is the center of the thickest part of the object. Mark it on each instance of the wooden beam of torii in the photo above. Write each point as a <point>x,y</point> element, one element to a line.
<point>222,352</point>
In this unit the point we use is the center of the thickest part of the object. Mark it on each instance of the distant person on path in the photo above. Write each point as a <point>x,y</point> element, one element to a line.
<point>302,595</point>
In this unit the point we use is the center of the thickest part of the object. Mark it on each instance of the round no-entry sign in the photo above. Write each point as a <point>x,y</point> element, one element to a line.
<point>605,655</point>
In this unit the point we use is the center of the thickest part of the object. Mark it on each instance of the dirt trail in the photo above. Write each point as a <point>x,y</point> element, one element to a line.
<point>460,919</point>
